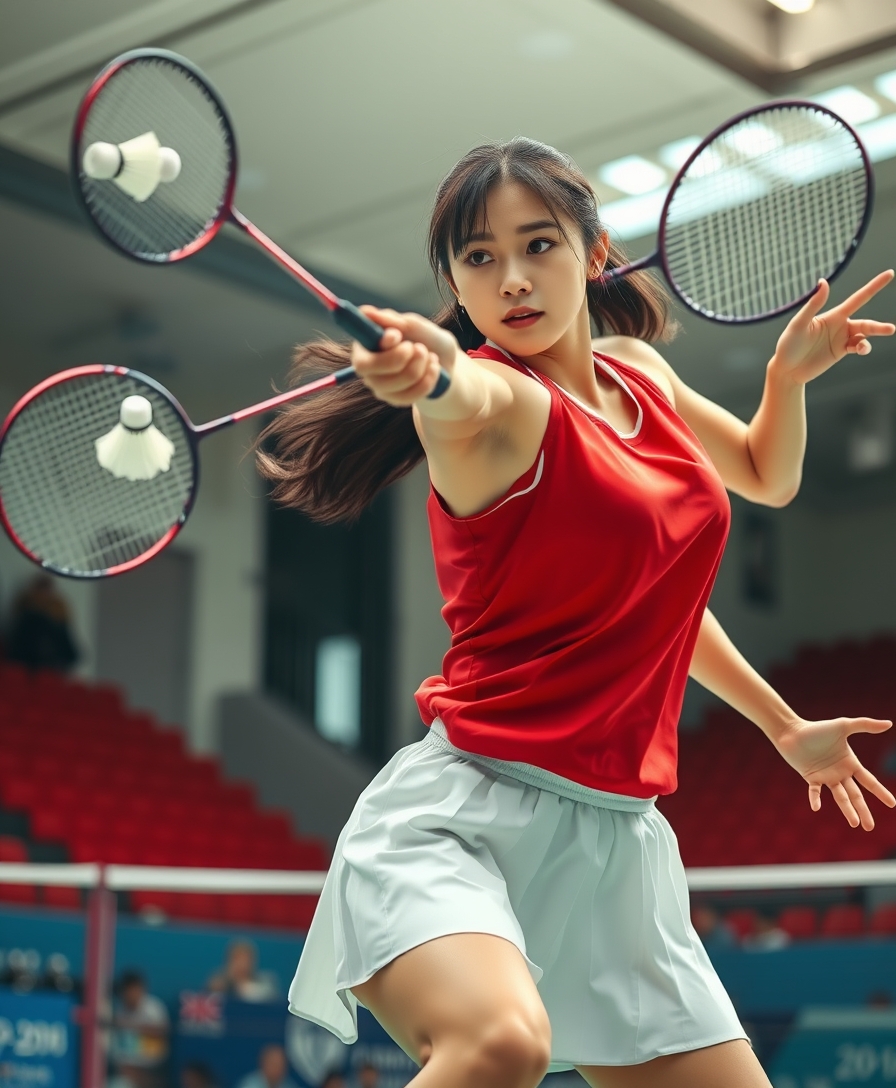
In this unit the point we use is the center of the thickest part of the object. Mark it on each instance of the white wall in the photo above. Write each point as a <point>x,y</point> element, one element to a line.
<point>225,532</point>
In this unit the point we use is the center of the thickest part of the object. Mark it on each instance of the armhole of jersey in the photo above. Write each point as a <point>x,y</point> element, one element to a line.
<point>520,486</point>
<point>638,374</point>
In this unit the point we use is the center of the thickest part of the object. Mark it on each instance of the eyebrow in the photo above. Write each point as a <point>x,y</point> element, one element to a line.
<point>525,228</point>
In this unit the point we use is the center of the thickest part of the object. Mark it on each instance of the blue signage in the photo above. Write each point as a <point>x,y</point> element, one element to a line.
<point>37,1041</point>
<point>228,1037</point>
<point>831,1047</point>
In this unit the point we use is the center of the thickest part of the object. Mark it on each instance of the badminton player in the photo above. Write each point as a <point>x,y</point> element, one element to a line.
<point>506,897</point>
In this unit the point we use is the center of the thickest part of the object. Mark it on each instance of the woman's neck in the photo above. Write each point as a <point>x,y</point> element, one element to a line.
<point>569,362</point>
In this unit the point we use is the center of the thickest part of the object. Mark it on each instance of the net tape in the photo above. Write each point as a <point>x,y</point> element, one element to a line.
<point>764,211</point>
<point>155,94</point>
<point>63,505</point>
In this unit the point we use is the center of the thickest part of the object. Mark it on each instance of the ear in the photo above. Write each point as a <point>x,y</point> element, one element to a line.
<point>450,283</point>
<point>598,256</point>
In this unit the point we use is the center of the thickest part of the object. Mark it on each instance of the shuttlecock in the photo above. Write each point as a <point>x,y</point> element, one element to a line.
<point>137,166</point>
<point>135,449</point>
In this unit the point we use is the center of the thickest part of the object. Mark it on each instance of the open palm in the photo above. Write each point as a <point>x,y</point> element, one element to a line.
<point>821,753</point>
<point>814,341</point>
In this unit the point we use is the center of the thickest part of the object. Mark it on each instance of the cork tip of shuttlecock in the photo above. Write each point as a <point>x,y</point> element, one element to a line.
<point>136,413</point>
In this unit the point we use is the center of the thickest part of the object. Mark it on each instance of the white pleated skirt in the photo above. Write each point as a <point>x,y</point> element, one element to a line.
<point>589,886</point>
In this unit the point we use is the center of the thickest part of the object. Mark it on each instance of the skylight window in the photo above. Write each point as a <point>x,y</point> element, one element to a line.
<point>885,85</point>
<point>753,138</point>
<point>676,154</point>
<point>633,174</point>
<point>852,105</point>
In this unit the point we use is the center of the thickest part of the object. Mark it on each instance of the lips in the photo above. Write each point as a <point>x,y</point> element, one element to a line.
<point>521,316</point>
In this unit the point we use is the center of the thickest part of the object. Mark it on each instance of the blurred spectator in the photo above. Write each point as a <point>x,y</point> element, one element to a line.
<point>272,1071</point>
<point>57,974</point>
<point>711,928</point>
<point>240,977</point>
<point>879,999</point>
<point>767,936</point>
<point>334,1080</point>
<point>39,634</point>
<point>140,1026</point>
<point>366,1076</point>
<point>197,1075</point>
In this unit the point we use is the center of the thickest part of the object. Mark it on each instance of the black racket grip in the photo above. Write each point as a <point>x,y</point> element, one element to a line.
<point>360,327</point>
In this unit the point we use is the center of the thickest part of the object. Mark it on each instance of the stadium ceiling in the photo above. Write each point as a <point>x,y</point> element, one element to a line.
<point>774,48</point>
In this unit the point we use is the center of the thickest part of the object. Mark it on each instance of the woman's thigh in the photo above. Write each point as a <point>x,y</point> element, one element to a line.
<point>726,1065</point>
<point>461,991</point>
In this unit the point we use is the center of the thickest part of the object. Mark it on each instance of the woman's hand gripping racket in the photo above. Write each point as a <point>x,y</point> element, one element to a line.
<point>99,468</point>
<point>154,159</point>
<point>774,200</point>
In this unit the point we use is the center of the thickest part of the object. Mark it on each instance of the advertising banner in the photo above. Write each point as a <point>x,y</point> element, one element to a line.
<point>37,1041</point>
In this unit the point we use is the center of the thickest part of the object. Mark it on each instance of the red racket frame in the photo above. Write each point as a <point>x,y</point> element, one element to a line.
<point>344,313</point>
<point>194,435</point>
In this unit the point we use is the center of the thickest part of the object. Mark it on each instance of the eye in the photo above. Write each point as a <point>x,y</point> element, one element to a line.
<point>477,257</point>
<point>540,245</point>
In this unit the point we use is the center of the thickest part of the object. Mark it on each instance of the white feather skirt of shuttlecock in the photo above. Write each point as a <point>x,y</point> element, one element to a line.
<point>141,171</point>
<point>134,456</point>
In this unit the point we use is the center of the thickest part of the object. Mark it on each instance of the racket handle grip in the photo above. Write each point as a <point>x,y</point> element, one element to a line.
<point>368,334</point>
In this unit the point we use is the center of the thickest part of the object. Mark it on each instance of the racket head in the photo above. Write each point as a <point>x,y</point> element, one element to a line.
<point>59,506</point>
<point>773,200</point>
<point>155,90</point>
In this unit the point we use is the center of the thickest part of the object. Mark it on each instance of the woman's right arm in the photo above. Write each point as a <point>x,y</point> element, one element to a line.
<point>405,370</point>
<point>482,434</point>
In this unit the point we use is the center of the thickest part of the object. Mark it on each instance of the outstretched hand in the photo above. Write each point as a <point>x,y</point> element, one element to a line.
<point>814,341</point>
<point>822,755</point>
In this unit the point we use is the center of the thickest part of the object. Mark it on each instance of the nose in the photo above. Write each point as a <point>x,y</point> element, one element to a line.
<point>514,282</point>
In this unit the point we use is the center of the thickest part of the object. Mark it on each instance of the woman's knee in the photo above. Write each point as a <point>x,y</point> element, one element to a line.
<point>514,1048</point>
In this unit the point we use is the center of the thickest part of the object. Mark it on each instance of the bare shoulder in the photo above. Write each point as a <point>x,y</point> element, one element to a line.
<point>643,356</point>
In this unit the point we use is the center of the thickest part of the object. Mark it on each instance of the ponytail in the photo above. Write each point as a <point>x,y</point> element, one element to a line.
<point>331,455</point>
<point>634,305</point>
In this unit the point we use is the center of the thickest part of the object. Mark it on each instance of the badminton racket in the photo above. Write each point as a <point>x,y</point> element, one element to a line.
<point>773,200</point>
<point>153,156</point>
<point>99,468</point>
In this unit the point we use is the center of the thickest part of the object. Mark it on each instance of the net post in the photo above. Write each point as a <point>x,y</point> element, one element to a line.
<point>99,954</point>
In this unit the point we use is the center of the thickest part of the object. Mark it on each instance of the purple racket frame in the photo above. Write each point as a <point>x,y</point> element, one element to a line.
<point>193,432</point>
<point>657,259</point>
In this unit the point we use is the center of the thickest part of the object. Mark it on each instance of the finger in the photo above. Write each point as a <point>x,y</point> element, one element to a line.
<point>398,380</point>
<point>814,797</point>
<point>864,294</point>
<point>867,327</point>
<point>857,345</point>
<point>873,785</point>
<point>815,303</point>
<point>846,807</point>
<point>859,804</point>
<point>377,365</point>
<point>868,725</point>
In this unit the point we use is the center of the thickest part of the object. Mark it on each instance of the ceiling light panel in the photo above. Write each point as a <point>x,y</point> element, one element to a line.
<point>885,85</point>
<point>850,103</point>
<point>633,174</point>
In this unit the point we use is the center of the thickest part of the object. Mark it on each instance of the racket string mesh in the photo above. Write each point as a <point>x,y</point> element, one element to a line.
<point>68,511</point>
<point>157,95</point>
<point>764,211</point>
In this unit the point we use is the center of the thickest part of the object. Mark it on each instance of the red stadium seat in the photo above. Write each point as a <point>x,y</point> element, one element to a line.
<point>883,920</point>
<point>799,922</point>
<point>742,920</point>
<point>12,849</point>
<point>241,909</point>
<point>18,893</point>
<point>69,898</point>
<point>843,920</point>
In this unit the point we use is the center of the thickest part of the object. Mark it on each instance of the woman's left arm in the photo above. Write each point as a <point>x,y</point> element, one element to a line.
<point>763,460</point>
<point>819,751</point>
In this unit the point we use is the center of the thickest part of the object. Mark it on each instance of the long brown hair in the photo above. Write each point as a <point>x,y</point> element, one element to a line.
<point>331,455</point>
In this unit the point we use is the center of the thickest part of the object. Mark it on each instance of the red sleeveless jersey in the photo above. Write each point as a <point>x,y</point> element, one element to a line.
<point>574,601</point>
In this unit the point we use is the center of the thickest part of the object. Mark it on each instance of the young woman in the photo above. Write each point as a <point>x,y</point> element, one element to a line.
<point>506,894</point>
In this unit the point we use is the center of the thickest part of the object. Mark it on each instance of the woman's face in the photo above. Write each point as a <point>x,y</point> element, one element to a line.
<point>521,281</point>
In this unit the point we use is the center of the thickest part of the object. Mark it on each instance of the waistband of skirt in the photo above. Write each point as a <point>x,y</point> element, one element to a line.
<point>437,737</point>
